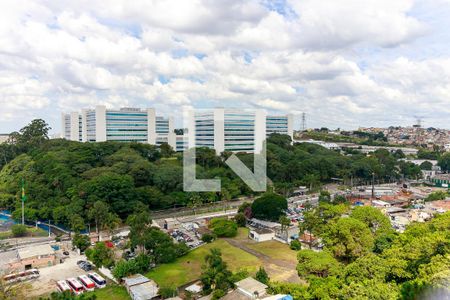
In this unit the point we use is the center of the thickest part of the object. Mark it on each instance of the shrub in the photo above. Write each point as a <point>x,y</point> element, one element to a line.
<point>18,230</point>
<point>240,219</point>
<point>167,292</point>
<point>217,294</point>
<point>223,227</point>
<point>296,245</point>
<point>262,276</point>
<point>208,237</point>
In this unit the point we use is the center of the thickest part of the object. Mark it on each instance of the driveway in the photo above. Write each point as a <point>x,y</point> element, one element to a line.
<point>46,283</point>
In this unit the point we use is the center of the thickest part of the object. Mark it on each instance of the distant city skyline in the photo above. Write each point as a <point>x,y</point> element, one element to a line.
<point>346,63</point>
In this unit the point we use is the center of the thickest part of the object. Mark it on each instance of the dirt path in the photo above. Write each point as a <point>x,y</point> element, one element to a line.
<point>278,270</point>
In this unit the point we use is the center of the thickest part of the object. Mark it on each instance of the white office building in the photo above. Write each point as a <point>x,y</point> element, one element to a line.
<point>122,125</point>
<point>280,124</point>
<point>71,126</point>
<point>234,130</point>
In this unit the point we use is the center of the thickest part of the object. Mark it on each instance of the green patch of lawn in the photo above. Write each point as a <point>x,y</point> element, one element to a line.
<point>31,232</point>
<point>274,250</point>
<point>242,234</point>
<point>189,267</point>
<point>112,292</point>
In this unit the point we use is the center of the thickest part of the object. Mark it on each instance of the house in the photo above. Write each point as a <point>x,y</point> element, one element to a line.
<point>250,289</point>
<point>261,234</point>
<point>140,287</point>
<point>32,257</point>
<point>171,223</point>
<point>379,203</point>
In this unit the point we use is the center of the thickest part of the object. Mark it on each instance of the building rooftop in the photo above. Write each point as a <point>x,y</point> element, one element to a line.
<point>262,230</point>
<point>135,280</point>
<point>33,251</point>
<point>144,291</point>
<point>251,286</point>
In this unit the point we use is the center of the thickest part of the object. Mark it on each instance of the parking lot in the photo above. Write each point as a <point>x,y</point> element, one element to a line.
<point>46,283</point>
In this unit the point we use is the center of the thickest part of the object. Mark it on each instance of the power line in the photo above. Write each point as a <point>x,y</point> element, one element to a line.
<point>303,124</point>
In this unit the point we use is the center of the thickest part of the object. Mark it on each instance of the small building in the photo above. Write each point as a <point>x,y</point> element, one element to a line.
<point>261,234</point>
<point>379,203</point>
<point>33,257</point>
<point>171,224</point>
<point>251,288</point>
<point>195,288</point>
<point>140,287</point>
<point>441,180</point>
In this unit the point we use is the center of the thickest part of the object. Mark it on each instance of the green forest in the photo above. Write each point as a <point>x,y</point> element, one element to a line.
<point>64,180</point>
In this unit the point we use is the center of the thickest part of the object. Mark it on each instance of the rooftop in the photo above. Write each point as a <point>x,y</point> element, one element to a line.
<point>135,280</point>
<point>144,291</point>
<point>251,286</point>
<point>39,250</point>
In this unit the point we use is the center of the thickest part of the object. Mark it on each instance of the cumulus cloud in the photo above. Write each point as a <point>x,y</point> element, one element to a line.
<point>345,62</point>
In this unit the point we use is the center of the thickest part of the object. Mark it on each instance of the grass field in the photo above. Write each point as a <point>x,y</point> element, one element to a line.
<point>188,268</point>
<point>112,292</point>
<point>274,250</point>
<point>31,231</point>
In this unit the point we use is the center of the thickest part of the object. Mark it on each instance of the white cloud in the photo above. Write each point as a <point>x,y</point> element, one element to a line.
<point>339,60</point>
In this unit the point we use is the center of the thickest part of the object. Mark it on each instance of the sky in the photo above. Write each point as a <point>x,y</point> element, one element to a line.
<point>345,63</point>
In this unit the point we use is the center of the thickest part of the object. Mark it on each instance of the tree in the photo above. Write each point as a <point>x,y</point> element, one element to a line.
<point>377,222</point>
<point>437,195</point>
<point>217,294</point>
<point>124,269</point>
<point>426,165</point>
<point>19,230</point>
<point>324,196</point>
<point>139,223</point>
<point>223,227</point>
<point>208,237</point>
<point>444,162</point>
<point>319,264</point>
<point>81,241</point>
<point>100,255</point>
<point>215,273</point>
<point>166,150</point>
<point>269,207</point>
<point>339,199</point>
<point>111,223</point>
<point>368,267</point>
<point>370,289</point>
<point>99,214</point>
<point>14,291</point>
<point>285,222</point>
<point>348,239</point>
<point>262,276</point>
<point>76,223</point>
<point>240,220</point>
<point>246,209</point>
<point>295,245</point>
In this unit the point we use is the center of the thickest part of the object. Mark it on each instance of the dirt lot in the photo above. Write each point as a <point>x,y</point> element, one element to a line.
<point>46,283</point>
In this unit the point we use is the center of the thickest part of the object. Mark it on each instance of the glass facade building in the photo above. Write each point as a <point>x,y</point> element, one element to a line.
<point>123,125</point>
<point>235,130</point>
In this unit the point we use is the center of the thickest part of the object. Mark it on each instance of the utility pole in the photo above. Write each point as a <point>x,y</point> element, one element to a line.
<point>24,197</point>
<point>303,124</point>
<point>373,185</point>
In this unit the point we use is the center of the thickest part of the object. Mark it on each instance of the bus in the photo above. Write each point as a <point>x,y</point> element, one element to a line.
<point>99,281</point>
<point>32,273</point>
<point>88,284</point>
<point>22,276</point>
<point>62,286</point>
<point>75,285</point>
